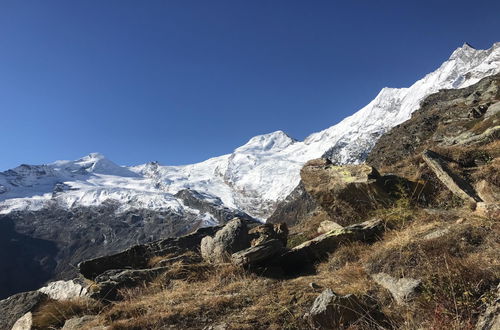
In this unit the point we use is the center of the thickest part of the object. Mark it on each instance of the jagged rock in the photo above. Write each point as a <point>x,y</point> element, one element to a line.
<point>17,305</point>
<point>488,210</point>
<point>109,282</point>
<point>138,256</point>
<point>454,183</point>
<point>490,319</point>
<point>230,239</point>
<point>64,290</point>
<point>258,254</point>
<point>319,247</point>
<point>24,323</point>
<point>81,323</point>
<point>331,311</point>
<point>326,226</point>
<point>344,190</point>
<point>267,232</point>
<point>402,289</point>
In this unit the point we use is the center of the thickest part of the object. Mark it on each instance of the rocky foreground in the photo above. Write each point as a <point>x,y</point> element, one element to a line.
<point>408,240</point>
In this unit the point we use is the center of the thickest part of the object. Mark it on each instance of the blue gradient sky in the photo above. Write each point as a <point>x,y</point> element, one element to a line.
<point>182,81</point>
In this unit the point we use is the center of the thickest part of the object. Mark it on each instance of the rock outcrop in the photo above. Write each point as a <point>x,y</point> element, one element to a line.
<point>442,120</point>
<point>257,254</point>
<point>16,306</point>
<point>64,290</point>
<point>348,192</point>
<point>233,237</point>
<point>138,256</point>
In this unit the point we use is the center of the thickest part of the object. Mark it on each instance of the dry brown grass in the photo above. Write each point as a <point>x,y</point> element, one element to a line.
<point>52,314</point>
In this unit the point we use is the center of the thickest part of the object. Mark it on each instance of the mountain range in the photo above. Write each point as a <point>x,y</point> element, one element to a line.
<point>252,179</point>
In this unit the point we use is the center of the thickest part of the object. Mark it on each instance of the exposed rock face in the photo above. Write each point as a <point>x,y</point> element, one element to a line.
<point>45,245</point>
<point>443,119</point>
<point>17,306</point>
<point>331,311</point>
<point>230,239</point>
<point>402,289</point>
<point>64,290</point>
<point>457,185</point>
<point>344,191</point>
<point>137,256</point>
<point>209,204</point>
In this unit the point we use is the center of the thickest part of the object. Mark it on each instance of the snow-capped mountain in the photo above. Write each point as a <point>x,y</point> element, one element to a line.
<point>255,176</point>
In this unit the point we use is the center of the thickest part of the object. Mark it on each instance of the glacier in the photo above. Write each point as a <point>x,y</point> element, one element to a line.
<point>256,176</point>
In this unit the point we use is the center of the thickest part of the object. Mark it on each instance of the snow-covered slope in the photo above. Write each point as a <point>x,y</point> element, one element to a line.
<point>256,175</point>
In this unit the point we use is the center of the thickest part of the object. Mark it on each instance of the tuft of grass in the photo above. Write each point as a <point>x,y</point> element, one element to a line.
<point>52,314</point>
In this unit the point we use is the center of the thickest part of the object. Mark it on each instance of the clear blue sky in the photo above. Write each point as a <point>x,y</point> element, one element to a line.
<point>182,81</point>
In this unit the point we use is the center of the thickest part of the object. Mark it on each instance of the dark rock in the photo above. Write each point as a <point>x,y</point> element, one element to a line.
<point>258,254</point>
<point>210,204</point>
<point>17,305</point>
<point>110,282</point>
<point>139,255</point>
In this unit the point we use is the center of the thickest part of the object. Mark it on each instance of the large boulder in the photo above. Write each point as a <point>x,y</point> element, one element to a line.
<point>230,239</point>
<point>18,305</point>
<point>331,311</point>
<point>344,192</point>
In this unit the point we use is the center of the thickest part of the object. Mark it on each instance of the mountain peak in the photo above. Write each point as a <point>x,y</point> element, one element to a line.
<point>266,142</point>
<point>465,51</point>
